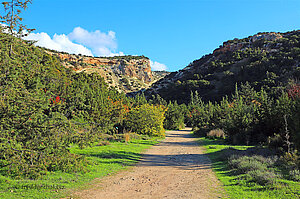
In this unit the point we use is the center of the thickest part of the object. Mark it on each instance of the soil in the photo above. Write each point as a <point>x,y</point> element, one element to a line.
<point>175,168</point>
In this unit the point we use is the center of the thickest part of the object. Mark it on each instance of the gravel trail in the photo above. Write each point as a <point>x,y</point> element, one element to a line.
<point>175,168</point>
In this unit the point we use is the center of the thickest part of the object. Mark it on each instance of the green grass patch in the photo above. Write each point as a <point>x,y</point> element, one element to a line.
<point>235,184</point>
<point>105,160</point>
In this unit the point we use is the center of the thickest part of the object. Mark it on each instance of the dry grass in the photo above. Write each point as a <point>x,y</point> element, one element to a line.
<point>216,133</point>
<point>103,143</point>
<point>127,137</point>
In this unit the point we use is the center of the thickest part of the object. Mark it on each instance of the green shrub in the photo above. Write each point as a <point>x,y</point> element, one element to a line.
<point>294,175</point>
<point>261,177</point>
<point>244,164</point>
<point>256,168</point>
<point>250,117</point>
<point>174,116</point>
<point>146,119</point>
<point>4,179</point>
<point>291,160</point>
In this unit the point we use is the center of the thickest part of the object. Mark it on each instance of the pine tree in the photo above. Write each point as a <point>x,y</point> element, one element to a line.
<point>13,22</point>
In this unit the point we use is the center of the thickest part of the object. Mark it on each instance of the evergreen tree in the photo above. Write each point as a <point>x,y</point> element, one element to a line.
<point>12,20</point>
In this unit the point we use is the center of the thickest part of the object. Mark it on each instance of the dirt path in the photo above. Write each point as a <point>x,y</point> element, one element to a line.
<point>175,168</point>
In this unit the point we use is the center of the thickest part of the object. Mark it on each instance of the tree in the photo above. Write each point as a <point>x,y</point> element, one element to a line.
<point>146,119</point>
<point>13,21</point>
<point>174,116</point>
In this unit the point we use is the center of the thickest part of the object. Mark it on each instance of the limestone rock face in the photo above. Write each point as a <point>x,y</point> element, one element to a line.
<point>125,73</point>
<point>137,67</point>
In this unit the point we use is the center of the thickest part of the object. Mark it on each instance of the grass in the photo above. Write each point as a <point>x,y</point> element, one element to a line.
<point>239,188</point>
<point>106,160</point>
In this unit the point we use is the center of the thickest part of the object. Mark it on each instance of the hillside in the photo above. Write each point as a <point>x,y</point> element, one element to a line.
<point>124,73</point>
<point>268,60</point>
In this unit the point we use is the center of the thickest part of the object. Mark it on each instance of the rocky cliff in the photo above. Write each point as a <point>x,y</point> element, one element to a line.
<point>125,73</point>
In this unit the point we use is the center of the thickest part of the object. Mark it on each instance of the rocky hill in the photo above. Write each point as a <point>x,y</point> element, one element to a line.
<point>268,60</point>
<point>125,73</point>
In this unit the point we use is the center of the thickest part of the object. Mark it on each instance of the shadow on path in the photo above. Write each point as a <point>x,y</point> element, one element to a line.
<point>180,161</point>
<point>181,157</point>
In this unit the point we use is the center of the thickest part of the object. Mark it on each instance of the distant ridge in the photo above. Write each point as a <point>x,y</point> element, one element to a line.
<point>269,60</point>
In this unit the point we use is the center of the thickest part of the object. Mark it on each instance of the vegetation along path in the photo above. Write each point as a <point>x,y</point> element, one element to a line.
<point>175,168</point>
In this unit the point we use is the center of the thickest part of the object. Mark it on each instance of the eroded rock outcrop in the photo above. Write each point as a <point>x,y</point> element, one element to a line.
<point>236,44</point>
<point>272,36</point>
<point>125,73</point>
<point>130,66</point>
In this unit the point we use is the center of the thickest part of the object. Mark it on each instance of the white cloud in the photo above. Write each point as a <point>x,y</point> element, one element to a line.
<point>81,41</point>
<point>101,44</point>
<point>156,66</point>
<point>59,43</point>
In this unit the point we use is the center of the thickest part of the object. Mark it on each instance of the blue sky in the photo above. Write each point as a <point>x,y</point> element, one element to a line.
<point>171,33</point>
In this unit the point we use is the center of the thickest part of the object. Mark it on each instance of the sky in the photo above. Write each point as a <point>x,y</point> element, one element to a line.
<point>172,33</point>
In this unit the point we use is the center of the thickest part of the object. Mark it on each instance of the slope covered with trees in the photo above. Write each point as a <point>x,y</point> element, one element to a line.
<point>265,60</point>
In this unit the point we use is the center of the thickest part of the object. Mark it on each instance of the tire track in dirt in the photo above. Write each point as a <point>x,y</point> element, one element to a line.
<point>175,168</point>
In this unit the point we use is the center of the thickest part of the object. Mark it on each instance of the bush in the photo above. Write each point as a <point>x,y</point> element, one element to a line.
<point>291,160</point>
<point>294,175</point>
<point>256,168</point>
<point>261,177</point>
<point>243,164</point>
<point>174,116</point>
<point>251,117</point>
<point>146,119</point>
<point>4,179</point>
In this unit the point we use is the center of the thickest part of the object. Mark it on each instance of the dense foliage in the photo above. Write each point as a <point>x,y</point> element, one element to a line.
<point>45,108</point>
<point>146,119</point>
<point>175,114</point>
<point>251,117</point>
